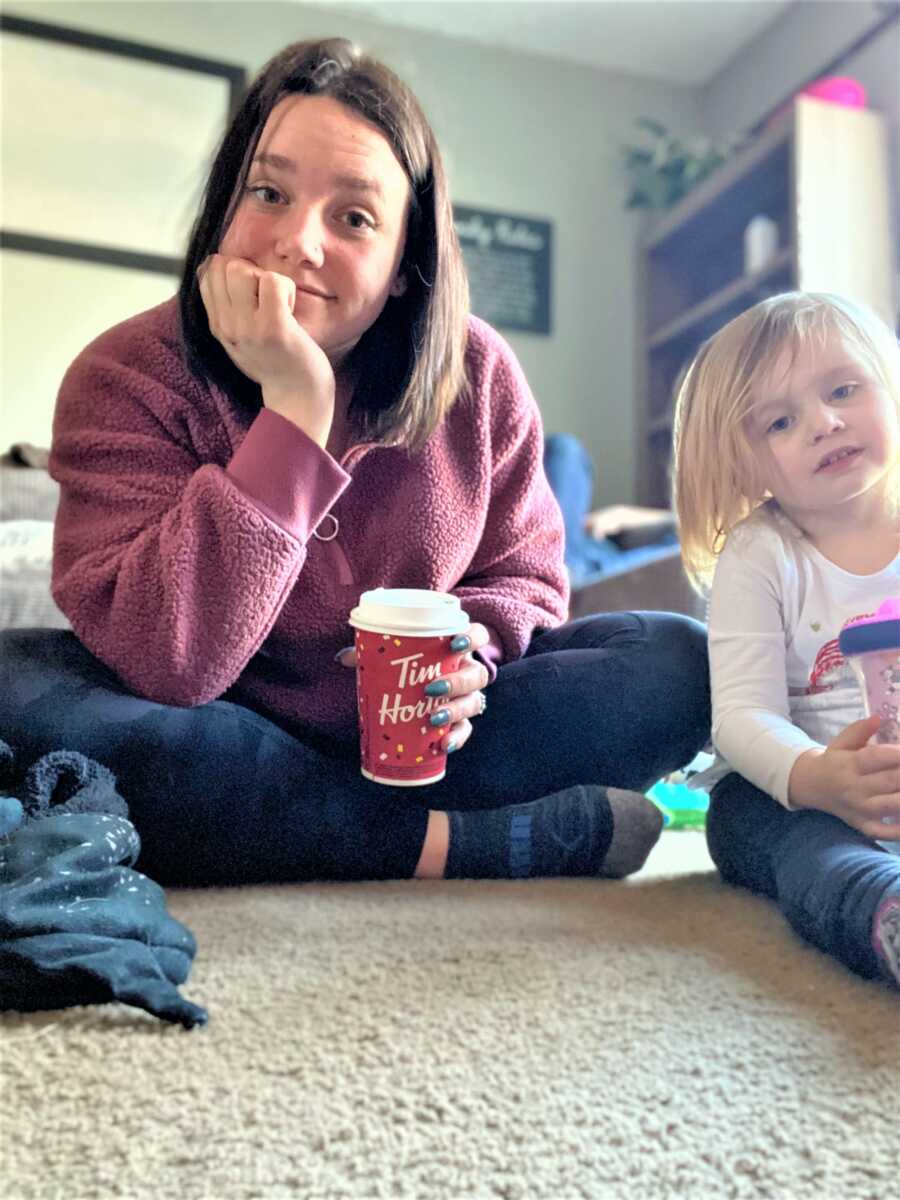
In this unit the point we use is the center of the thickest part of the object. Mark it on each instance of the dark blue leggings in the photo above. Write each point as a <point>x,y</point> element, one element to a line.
<point>827,878</point>
<point>220,794</point>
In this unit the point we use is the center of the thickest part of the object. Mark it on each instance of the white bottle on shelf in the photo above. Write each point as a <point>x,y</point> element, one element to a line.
<point>760,243</point>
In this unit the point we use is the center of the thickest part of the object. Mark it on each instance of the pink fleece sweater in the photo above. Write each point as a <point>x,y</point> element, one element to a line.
<point>185,557</point>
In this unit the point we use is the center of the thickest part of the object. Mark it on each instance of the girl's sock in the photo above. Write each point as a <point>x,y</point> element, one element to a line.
<point>582,830</point>
<point>886,938</point>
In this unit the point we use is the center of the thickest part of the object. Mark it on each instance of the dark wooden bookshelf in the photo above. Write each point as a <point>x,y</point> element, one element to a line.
<point>691,260</point>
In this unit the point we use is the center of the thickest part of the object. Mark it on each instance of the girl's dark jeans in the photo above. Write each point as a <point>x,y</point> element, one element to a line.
<point>827,878</point>
<point>220,794</point>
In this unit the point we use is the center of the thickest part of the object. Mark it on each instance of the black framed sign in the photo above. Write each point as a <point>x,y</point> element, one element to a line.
<point>509,261</point>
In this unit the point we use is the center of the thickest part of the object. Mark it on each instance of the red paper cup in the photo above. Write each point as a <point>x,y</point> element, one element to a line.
<point>403,638</point>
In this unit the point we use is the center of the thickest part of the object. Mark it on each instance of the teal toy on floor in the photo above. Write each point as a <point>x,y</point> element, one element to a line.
<point>681,806</point>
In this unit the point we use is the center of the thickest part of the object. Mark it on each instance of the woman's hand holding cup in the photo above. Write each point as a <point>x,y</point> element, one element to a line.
<point>459,694</point>
<point>251,313</point>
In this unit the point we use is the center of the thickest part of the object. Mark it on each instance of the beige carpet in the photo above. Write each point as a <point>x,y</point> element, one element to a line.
<point>661,1038</point>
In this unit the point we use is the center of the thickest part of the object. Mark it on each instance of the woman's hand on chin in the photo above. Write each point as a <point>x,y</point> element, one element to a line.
<point>251,313</point>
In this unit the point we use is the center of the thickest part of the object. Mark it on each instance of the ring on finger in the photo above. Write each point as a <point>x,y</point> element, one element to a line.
<point>483,707</point>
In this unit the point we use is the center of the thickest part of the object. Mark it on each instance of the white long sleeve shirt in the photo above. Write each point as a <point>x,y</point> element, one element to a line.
<point>780,685</point>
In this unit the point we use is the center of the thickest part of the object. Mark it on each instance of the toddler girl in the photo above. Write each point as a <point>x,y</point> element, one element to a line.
<point>787,491</point>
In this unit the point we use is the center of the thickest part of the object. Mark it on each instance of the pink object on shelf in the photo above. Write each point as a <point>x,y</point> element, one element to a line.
<point>831,89</point>
<point>838,89</point>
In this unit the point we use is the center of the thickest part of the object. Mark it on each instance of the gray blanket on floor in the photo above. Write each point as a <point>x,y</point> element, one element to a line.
<point>77,924</point>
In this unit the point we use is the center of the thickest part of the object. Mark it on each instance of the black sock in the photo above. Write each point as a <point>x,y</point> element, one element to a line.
<point>568,833</point>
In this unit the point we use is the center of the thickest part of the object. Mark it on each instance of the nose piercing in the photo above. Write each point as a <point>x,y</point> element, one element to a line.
<point>302,254</point>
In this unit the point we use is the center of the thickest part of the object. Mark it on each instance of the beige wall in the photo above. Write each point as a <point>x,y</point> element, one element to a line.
<point>521,133</point>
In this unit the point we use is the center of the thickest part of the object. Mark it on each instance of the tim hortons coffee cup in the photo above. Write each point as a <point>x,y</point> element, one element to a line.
<point>871,645</point>
<point>403,638</point>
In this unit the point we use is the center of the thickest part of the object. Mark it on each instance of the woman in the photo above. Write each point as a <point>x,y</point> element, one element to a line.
<point>317,417</point>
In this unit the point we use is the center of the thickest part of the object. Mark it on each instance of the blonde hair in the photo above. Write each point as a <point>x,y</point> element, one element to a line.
<point>716,483</point>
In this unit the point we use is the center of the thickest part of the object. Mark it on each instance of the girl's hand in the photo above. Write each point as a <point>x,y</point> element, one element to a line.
<point>251,313</point>
<point>460,694</point>
<point>852,780</point>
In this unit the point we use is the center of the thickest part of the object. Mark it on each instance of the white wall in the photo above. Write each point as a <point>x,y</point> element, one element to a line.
<point>520,133</point>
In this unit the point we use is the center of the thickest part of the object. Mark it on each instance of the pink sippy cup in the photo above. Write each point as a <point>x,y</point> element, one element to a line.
<point>872,647</point>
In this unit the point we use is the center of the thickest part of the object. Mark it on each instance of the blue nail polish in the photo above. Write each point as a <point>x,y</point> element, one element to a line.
<point>451,746</point>
<point>341,653</point>
<point>461,642</point>
<point>440,718</point>
<point>440,687</point>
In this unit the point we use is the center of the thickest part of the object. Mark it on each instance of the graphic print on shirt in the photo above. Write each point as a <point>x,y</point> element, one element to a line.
<point>829,664</point>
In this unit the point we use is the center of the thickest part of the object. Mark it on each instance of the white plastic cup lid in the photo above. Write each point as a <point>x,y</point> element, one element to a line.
<point>413,611</point>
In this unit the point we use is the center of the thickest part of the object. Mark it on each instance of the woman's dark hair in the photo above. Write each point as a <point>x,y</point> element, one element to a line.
<point>409,365</point>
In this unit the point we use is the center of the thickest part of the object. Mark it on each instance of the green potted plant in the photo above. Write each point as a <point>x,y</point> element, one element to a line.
<point>666,167</point>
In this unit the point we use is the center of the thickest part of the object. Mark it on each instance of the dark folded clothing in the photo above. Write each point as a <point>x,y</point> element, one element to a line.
<point>77,924</point>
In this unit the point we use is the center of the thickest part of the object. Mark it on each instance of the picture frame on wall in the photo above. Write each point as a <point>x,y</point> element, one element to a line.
<point>106,146</point>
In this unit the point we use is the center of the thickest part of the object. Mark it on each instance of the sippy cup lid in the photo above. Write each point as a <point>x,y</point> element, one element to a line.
<point>878,632</point>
